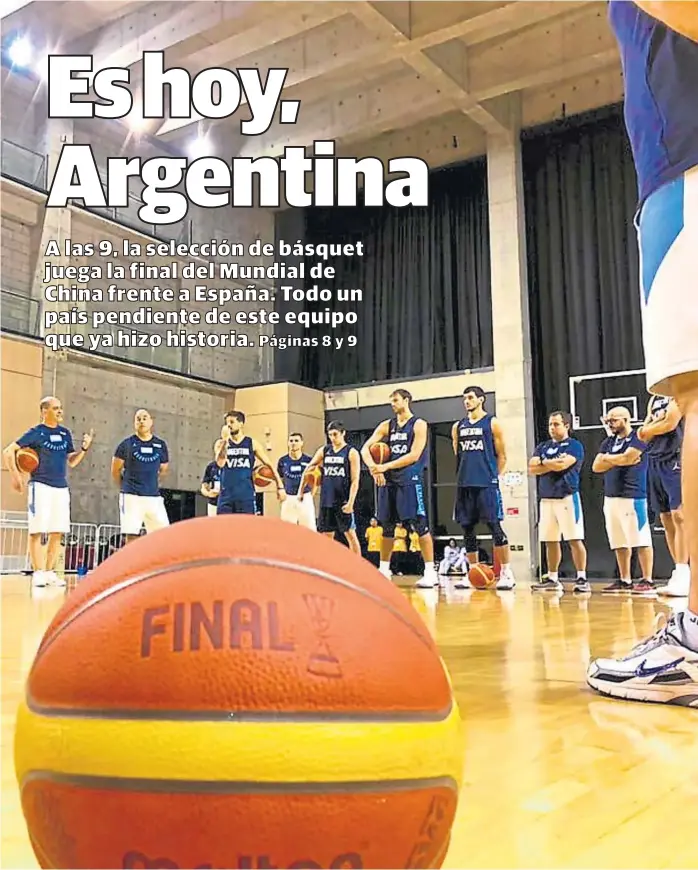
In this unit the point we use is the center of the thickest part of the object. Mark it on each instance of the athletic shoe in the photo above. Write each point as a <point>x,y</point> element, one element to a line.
<point>582,586</point>
<point>506,579</point>
<point>548,586</point>
<point>53,579</point>
<point>678,585</point>
<point>39,578</point>
<point>618,587</point>
<point>662,668</point>
<point>429,579</point>
<point>644,588</point>
<point>462,582</point>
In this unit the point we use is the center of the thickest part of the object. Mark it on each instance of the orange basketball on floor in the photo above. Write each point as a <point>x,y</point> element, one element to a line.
<point>481,576</point>
<point>380,452</point>
<point>263,475</point>
<point>205,699</point>
<point>27,459</point>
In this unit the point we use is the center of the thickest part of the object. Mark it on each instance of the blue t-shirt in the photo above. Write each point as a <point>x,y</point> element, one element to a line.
<point>560,484</point>
<point>667,447</point>
<point>212,474</point>
<point>660,71</point>
<point>53,444</point>
<point>291,470</point>
<point>142,461</point>
<point>625,481</point>
<point>477,455</point>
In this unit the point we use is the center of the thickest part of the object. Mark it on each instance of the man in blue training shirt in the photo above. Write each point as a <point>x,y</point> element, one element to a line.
<point>658,44</point>
<point>137,467</point>
<point>478,443</point>
<point>341,467</point>
<point>662,431</point>
<point>400,483</point>
<point>236,459</point>
<point>622,459</point>
<point>299,509</point>
<point>557,464</point>
<point>48,510</point>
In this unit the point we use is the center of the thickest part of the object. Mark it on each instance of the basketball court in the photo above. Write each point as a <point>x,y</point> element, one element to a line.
<point>557,775</point>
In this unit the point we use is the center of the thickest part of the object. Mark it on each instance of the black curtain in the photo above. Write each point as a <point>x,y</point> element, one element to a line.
<point>580,198</point>
<point>425,280</point>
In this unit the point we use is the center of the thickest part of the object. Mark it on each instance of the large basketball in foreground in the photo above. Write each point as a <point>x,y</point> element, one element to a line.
<point>237,692</point>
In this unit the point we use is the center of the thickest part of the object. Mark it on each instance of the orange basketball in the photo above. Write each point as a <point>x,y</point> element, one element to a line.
<point>263,475</point>
<point>380,452</point>
<point>315,476</point>
<point>481,576</point>
<point>204,699</point>
<point>27,459</point>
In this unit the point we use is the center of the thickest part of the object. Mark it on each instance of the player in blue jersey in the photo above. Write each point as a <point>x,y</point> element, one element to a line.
<point>400,482</point>
<point>622,459</point>
<point>478,442</point>
<point>211,482</point>
<point>139,464</point>
<point>557,464</point>
<point>662,431</point>
<point>341,467</point>
<point>236,459</point>
<point>658,44</point>
<point>48,508</point>
<point>299,507</point>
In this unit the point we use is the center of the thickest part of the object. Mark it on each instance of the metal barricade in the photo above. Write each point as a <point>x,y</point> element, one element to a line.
<point>14,543</point>
<point>109,540</point>
<point>79,549</point>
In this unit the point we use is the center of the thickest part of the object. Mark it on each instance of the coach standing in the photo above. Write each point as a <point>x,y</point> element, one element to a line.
<point>557,464</point>
<point>139,463</point>
<point>622,459</point>
<point>48,493</point>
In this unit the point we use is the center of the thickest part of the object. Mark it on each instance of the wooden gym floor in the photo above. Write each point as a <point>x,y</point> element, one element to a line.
<point>556,776</point>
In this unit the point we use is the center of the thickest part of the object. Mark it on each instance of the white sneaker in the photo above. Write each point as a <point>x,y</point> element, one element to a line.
<point>678,585</point>
<point>39,578</point>
<point>428,580</point>
<point>661,669</point>
<point>386,573</point>
<point>463,582</point>
<point>506,580</point>
<point>53,579</point>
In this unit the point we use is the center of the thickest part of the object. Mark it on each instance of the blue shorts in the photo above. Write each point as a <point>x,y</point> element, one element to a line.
<point>237,506</point>
<point>478,504</point>
<point>664,485</point>
<point>401,504</point>
<point>333,519</point>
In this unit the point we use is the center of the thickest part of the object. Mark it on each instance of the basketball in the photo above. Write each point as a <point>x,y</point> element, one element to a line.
<point>206,688</point>
<point>380,452</point>
<point>27,459</point>
<point>263,475</point>
<point>481,576</point>
<point>315,476</point>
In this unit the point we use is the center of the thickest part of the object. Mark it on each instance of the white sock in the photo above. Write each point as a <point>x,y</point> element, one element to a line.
<point>690,628</point>
<point>429,566</point>
<point>552,575</point>
<point>627,582</point>
<point>385,568</point>
<point>581,575</point>
<point>682,569</point>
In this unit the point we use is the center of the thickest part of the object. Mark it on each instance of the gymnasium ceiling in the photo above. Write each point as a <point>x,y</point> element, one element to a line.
<point>429,79</point>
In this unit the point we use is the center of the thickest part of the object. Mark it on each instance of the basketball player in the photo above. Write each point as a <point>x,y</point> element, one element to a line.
<point>557,464</point>
<point>622,459</point>
<point>139,463</point>
<point>211,482</point>
<point>236,458</point>
<point>400,482</point>
<point>659,49</point>
<point>299,508</point>
<point>341,468</point>
<point>48,511</point>
<point>662,431</point>
<point>478,442</point>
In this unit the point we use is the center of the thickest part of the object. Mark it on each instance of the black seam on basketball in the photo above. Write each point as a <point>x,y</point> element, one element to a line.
<point>178,786</point>
<point>225,560</point>
<point>287,717</point>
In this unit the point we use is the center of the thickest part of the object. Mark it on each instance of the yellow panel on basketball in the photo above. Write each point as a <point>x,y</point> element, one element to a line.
<point>252,676</point>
